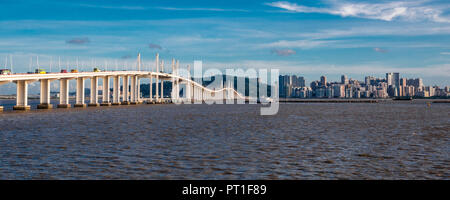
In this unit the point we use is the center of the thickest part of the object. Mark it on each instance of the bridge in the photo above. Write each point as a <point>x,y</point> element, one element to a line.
<point>128,94</point>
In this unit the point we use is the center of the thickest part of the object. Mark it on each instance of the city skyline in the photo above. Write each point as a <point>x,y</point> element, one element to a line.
<point>391,86</point>
<point>311,38</point>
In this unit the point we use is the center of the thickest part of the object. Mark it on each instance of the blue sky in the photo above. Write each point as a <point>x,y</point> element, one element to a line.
<point>308,38</point>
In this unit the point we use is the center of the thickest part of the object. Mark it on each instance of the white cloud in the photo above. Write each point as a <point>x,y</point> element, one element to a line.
<point>113,7</point>
<point>202,9</point>
<point>445,53</point>
<point>408,10</point>
<point>126,7</point>
<point>303,44</point>
<point>380,50</point>
<point>283,52</point>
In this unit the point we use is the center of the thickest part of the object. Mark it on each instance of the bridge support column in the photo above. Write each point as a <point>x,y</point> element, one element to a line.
<point>157,78</point>
<point>22,96</point>
<point>224,95</point>
<point>45,95</point>
<point>133,90</point>
<point>177,82</point>
<point>191,92</point>
<point>105,92</point>
<point>93,99</point>
<point>194,93</point>
<point>157,89</point>
<point>198,95</point>
<point>138,90</point>
<point>64,93</point>
<point>203,97</point>
<point>80,93</point>
<point>151,90</point>
<point>172,94</point>
<point>116,90</point>
<point>162,90</point>
<point>125,100</point>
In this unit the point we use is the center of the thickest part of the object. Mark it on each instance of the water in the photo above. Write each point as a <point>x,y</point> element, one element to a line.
<point>399,140</point>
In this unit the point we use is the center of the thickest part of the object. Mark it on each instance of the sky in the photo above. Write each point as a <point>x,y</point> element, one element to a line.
<point>309,38</point>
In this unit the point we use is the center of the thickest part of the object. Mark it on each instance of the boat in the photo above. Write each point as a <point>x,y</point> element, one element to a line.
<point>403,98</point>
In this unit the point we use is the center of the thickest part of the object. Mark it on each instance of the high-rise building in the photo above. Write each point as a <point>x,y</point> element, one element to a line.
<point>323,81</point>
<point>403,82</point>
<point>294,81</point>
<point>396,82</point>
<point>389,78</point>
<point>284,86</point>
<point>344,79</point>
<point>339,91</point>
<point>393,81</point>
<point>301,81</point>
<point>298,81</point>
<point>417,83</point>
<point>288,84</point>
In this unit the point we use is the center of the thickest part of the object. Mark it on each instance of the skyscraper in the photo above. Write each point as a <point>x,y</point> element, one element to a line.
<point>393,81</point>
<point>344,79</point>
<point>396,83</point>
<point>323,81</point>
<point>301,81</point>
<point>417,83</point>
<point>403,82</point>
<point>389,78</point>
<point>285,84</point>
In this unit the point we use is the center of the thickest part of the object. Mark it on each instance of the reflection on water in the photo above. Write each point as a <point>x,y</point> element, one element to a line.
<point>304,141</point>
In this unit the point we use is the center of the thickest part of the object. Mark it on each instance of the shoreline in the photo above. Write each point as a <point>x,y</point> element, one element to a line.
<point>336,100</point>
<point>293,100</point>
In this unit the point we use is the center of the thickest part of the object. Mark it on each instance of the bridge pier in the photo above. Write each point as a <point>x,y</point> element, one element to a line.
<point>125,85</point>
<point>22,96</point>
<point>157,78</point>
<point>173,80</point>
<point>93,98</point>
<point>63,93</point>
<point>151,89</point>
<point>116,91</point>
<point>105,92</point>
<point>192,92</point>
<point>198,95</point>
<point>80,93</point>
<point>138,90</point>
<point>45,95</point>
<point>133,90</point>
<point>162,90</point>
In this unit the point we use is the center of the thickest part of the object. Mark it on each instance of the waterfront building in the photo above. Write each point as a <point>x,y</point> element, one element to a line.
<point>389,79</point>
<point>344,79</point>
<point>339,91</point>
<point>372,87</point>
<point>329,92</point>
<point>323,81</point>
<point>284,86</point>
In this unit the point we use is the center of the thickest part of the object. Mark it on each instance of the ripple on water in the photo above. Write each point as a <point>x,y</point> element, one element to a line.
<point>304,141</point>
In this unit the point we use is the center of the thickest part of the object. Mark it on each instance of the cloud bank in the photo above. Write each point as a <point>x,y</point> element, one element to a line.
<point>78,41</point>
<point>386,11</point>
<point>283,52</point>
